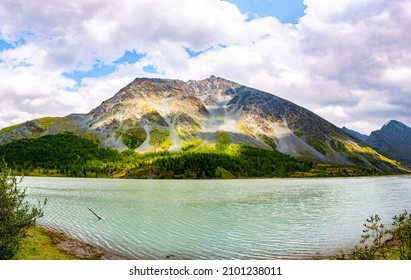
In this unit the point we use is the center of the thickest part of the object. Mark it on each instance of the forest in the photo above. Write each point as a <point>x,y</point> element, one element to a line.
<point>69,155</point>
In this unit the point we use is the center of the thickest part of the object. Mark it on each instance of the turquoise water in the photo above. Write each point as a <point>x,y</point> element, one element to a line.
<point>219,219</point>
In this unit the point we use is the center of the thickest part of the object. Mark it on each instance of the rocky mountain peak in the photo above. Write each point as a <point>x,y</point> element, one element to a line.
<point>173,115</point>
<point>394,125</point>
<point>393,140</point>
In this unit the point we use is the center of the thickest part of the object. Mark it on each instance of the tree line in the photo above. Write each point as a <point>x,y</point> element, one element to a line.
<point>247,162</point>
<point>63,153</point>
<point>66,154</point>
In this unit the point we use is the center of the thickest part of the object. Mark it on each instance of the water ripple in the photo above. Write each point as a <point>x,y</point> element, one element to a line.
<point>219,219</point>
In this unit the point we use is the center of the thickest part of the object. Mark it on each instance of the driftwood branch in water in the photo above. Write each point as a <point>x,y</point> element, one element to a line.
<point>94,213</point>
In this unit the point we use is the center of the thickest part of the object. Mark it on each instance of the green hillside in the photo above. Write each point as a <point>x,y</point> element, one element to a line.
<point>66,154</point>
<point>61,154</point>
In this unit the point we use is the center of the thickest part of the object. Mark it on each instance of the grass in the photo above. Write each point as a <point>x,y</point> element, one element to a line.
<point>223,141</point>
<point>9,128</point>
<point>335,170</point>
<point>243,128</point>
<point>158,136</point>
<point>60,122</point>
<point>192,145</point>
<point>135,136</point>
<point>40,246</point>
<point>223,174</point>
<point>46,122</point>
<point>166,144</point>
<point>44,244</point>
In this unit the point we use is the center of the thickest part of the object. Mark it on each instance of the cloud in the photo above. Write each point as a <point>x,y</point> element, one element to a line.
<point>363,48</point>
<point>346,60</point>
<point>103,29</point>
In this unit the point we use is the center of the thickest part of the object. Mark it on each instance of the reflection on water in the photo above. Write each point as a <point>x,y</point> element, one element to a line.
<point>219,219</point>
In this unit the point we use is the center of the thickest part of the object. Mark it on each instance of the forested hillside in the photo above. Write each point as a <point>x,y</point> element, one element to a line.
<point>69,155</point>
<point>64,154</point>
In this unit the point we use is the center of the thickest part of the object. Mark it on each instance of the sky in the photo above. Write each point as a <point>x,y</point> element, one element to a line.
<point>348,61</point>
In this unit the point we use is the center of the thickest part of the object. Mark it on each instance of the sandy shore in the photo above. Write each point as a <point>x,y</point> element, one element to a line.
<point>79,249</point>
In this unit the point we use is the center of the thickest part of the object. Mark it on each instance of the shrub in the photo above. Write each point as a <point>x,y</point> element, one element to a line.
<point>16,214</point>
<point>380,243</point>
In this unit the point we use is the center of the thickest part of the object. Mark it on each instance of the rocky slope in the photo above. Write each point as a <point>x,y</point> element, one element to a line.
<point>394,140</point>
<point>161,114</point>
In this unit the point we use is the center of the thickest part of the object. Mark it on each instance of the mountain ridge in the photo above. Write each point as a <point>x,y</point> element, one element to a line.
<point>356,134</point>
<point>171,115</point>
<point>394,140</point>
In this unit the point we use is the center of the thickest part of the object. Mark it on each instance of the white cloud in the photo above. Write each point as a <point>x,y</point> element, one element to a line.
<point>362,49</point>
<point>348,54</point>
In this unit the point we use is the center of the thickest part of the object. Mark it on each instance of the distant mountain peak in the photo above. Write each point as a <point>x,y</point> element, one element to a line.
<point>393,140</point>
<point>394,124</point>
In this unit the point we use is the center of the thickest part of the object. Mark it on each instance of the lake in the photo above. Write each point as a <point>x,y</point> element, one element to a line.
<point>219,219</point>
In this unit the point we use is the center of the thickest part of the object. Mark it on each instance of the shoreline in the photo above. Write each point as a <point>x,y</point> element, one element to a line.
<point>85,251</point>
<point>81,250</point>
<point>78,249</point>
<point>216,179</point>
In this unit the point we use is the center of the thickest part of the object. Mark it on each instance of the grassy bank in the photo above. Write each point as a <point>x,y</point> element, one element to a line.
<point>39,245</point>
<point>44,244</point>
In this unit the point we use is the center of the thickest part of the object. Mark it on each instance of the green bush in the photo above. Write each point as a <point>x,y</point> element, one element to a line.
<point>402,235</point>
<point>381,243</point>
<point>16,215</point>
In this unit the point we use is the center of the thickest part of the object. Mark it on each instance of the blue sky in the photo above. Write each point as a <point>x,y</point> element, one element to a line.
<point>347,61</point>
<point>287,11</point>
<point>101,69</point>
<point>4,45</point>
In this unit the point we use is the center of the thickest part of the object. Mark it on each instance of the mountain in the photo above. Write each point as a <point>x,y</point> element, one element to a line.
<point>356,134</point>
<point>156,115</point>
<point>393,140</point>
